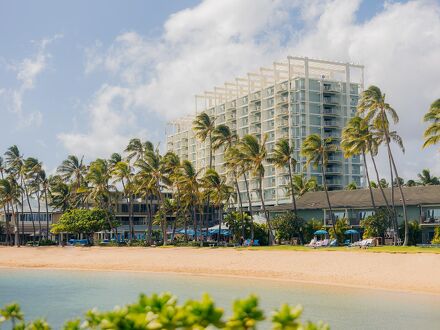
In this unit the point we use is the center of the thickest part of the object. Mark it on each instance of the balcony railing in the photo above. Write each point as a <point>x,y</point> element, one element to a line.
<point>330,100</point>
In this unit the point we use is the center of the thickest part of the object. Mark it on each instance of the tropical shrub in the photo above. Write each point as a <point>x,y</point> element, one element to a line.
<point>436,238</point>
<point>162,311</point>
<point>341,226</point>
<point>287,226</point>
<point>310,227</point>
<point>83,221</point>
<point>414,231</point>
<point>375,225</point>
<point>235,222</point>
<point>261,233</point>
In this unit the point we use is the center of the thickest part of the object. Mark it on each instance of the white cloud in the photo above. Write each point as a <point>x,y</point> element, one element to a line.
<point>27,72</point>
<point>111,122</point>
<point>218,40</point>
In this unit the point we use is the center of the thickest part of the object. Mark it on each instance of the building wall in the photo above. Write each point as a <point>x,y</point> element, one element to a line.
<point>292,100</point>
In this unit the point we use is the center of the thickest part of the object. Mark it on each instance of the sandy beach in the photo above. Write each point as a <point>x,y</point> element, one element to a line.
<point>400,272</point>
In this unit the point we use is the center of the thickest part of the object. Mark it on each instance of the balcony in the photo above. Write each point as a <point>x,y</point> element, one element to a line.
<point>282,111</point>
<point>281,122</point>
<point>331,124</point>
<point>333,170</point>
<point>282,87</point>
<point>331,136</point>
<point>330,112</point>
<point>330,100</point>
<point>254,129</point>
<point>255,97</point>
<point>331,88</point>
<point>282,99</point>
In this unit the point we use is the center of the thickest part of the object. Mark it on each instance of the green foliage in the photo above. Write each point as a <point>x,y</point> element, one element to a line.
<point>414,231</point>
<point>162,311</point>
<point>246,314</point>
<point>341,225</point>
<point>287,226</point>
<point>235,222</point>
<point>260,233</point>
<point>436,238</point>
<point>46,242</point>
<point>310,227</point>
<point>375,225</point>
<point>83,221</point>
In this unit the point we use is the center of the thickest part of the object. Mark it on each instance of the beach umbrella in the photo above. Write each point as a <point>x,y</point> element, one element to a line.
<point>321,232</point>
<point>351,232</point>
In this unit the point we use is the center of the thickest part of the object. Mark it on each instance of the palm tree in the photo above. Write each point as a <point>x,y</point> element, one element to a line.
<point>98,177</point>
<point>282,156</point>
<point>316,150</point>
<point>427,179</point>
<point>222,136</point>
<point>218,191</point>
<point>45,188</point>
<point>10,195</point>
<point>14,163</point>
<point>136,149</point>
<point>30,168</point>
<point>301,184</point>
<point>356,140</point>
<point>12,312</point>
<point>5,205</point>
<point>153,167</point>
<point>376,110</point>
<point>189,181</point>
<point>72,171</point>
<point>203,127</point>
<point>122,173</point>
<point>255,154</point>
<point>432,133</point>
<point>59,193</point>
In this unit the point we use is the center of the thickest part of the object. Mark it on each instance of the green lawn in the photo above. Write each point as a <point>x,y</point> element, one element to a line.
<point>378,249</point>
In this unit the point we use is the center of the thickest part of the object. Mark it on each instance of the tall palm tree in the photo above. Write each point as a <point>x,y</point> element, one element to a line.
<point>219,192</point>
<point>10,195</point>
<point>282,156</point>
<point>427,179</point>
<point>99,188</point>
<point>376,110</point>
<point>356,139</point>
<point>316,150</point>
<point>14,163</point>
<point>136,149</point>
<point>122,173</point>
<point>255,153</point>
<point>203,127</point>
<point>432,133</point>
<point>189,181</point>
<point>59,193</point>
<point>72,171</point>
<point>153,165</point>
<point>5,205</point>
<point>45,189</point>
<point>222,136</point>
<point>31,167</point>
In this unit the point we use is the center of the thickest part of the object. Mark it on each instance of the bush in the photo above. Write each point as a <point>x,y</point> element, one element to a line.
<point>375,225</point>
<point>46,242</point>
<point>163,312</point>
<point>414,230</point>
<point>341,226</point>
<point>261,233</point>
<point>310,227</point>
<point>436,238</point>
<point>287,226</point>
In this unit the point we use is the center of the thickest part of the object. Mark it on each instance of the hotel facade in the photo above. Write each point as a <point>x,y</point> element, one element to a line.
<point>292,99</point>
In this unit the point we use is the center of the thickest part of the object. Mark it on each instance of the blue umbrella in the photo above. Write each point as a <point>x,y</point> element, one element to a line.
<point>351,232</point>
<point>321,232</point>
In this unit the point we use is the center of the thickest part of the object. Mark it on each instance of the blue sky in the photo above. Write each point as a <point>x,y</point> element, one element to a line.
<point>85,76</point>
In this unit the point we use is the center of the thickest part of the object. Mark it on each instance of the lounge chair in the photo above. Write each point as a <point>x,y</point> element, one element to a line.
<point>324,243</point>
<point>256,242</point>
<point>333,243</point>
<point>312,243</point>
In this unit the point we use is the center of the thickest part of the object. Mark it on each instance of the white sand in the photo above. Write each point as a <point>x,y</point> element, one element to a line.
<point>402,272</point>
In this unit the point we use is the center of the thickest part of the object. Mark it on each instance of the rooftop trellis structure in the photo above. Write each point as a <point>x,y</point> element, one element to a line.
<point>291,99</point>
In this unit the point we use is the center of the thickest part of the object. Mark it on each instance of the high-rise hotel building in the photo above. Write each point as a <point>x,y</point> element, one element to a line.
<point>291,99</point>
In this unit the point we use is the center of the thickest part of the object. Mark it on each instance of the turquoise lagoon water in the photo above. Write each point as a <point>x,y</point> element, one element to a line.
<point>58,295</point>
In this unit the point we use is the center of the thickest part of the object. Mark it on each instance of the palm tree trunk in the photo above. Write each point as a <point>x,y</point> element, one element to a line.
<point>266,214</point>
<point>395,226</point>
<point>185,225</point>
<point>240,203</point>
<point>195,222</point>
<point>292,190</point>
<point>405,215</point>
<point>30,210</point>
<point>379,185</point>
<point>17,226</point>
<point>220,218</point>
<point>368,180</point>
<point>249,204</point>
<point>39,215</point>
<point>324,182</point>
<point>47,213</point>
<point>6,212</point>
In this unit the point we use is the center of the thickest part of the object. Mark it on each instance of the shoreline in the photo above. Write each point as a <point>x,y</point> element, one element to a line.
<point>408,273</point>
